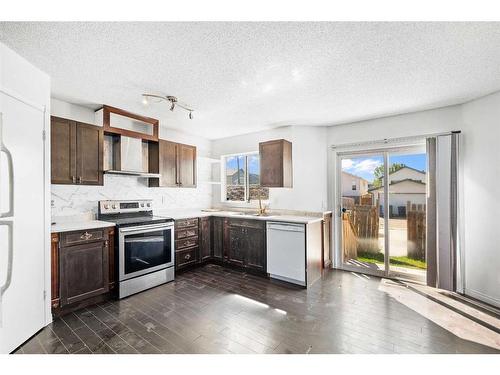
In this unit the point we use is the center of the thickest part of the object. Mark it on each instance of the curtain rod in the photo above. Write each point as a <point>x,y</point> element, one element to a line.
<point>393,140</point>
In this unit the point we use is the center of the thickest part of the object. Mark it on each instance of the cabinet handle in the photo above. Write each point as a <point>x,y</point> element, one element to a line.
<point>187,257</point>
<point>79,179</point>
<point>86,236</point>
<point>73,178</point>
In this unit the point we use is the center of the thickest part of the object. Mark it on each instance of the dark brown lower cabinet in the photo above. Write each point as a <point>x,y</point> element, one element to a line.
<point>205,239</point>
<point>256,256</point>
<point>83,271</point>
<point>82,268</point>
<point>236,242</point>
<point>218,238</point>
<point>236,249</point>
<point>187,242</point>
<point>246,244</point>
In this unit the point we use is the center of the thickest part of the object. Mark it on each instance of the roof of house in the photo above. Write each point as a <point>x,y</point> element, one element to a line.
<point>398,182</point>
<point>413,169</point>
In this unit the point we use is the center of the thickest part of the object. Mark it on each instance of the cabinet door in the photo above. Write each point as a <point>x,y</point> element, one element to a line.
<point>89,154</point>
<point>276,163</point>
<point>63,151</point>
<point>218,237</point>
<point>237,245</point>
<point>205,239</point>
<point>186,167</point>
<point>256,249</point>
<point>83,271</point>
<point>168,164</point>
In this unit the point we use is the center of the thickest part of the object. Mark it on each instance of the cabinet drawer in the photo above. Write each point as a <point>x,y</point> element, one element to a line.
<point>186,223</point>
<point>185,257</point>
<point>78,237</point>
<point>185,243</point>
<point>184,233</point>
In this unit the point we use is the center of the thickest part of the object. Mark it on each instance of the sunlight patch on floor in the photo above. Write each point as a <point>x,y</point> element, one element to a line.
<point>440,315</point>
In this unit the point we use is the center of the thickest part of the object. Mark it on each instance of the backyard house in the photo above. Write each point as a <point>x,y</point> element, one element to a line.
<point>405,185</point>
<point>353,186</point>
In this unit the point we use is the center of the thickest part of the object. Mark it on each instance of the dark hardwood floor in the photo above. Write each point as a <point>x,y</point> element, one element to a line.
<point>216,310</point>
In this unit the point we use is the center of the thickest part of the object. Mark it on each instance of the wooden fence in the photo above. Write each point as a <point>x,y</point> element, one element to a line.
<point>365,221</point>
<point>367,200</point>
<point>349,239</point>
<point>348,203</point>
<point>416,230</point>
<point>360,228</point>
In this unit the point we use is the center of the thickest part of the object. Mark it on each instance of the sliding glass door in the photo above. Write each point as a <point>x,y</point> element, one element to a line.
<point>383,212</point>
<point>362,216</point>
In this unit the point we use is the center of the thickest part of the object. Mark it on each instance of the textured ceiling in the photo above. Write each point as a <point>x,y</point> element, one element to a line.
<point>244,77</point>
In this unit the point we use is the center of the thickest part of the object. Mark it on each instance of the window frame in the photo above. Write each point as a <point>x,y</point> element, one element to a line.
<point>223,194</point>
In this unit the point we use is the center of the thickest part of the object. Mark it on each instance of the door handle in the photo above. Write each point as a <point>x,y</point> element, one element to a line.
<point>4,149</point>
<point>10,255</point>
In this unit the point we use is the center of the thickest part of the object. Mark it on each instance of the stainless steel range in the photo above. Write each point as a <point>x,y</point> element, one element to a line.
<point>144,244</point>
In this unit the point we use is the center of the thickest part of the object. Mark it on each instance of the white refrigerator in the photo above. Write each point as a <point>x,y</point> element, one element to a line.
<point>24,197</point>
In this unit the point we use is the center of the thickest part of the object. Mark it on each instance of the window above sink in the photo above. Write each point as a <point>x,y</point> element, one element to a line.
<point>241,178</point>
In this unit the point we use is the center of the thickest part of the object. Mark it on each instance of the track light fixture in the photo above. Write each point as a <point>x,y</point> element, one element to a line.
<point>147,98</point>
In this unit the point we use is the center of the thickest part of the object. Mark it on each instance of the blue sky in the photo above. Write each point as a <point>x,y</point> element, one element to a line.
<point>253,163</point>
<point>364,166</point>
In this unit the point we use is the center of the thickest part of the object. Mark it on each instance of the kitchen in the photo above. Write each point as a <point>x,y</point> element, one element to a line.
<point>134,223</point>
<point>233,238</point>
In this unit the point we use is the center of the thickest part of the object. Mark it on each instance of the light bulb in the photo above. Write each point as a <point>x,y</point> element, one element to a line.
<point>145,100</point>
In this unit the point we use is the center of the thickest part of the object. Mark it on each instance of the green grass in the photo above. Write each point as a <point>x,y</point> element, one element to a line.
<point>396,261</point>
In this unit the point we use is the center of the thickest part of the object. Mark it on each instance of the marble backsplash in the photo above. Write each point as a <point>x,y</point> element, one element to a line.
<point>69,200</point>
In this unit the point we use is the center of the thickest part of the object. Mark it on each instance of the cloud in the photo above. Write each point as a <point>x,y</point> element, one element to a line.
<point>360,167</point>
<point>347,163</point>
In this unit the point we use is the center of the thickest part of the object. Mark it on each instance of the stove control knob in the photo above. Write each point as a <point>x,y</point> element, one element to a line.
<point>114,207</point>
<point>106,206</point>
<point>149,204</point>
<point>142,204</point>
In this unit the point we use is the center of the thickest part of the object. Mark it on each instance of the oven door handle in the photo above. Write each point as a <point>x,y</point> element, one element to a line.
<point>146,227</point>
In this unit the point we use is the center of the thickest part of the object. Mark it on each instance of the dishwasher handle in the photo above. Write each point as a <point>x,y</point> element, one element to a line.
<point>288,227</point>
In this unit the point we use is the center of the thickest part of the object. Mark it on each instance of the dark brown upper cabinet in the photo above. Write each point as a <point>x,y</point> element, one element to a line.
<point>186,167</point>
<point>76,152</point>
<point>276,164</point>
<point>63,151</point>
<point>175,162</point>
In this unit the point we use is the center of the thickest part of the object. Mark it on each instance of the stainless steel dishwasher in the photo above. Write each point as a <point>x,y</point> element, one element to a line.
<point>286,252</point>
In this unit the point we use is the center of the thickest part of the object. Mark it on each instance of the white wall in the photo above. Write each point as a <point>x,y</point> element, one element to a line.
<point>75,199</point>
<point>71,111</point>
<point>309,158</point>
<point>481,182</point>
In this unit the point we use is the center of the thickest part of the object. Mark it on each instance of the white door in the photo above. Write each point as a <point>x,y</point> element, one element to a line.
<point>23,305</point>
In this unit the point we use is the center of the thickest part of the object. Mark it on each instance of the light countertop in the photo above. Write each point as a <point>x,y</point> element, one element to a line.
<point>185,214</point>
<point>70,226</point>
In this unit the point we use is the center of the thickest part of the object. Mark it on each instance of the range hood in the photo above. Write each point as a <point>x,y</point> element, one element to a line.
<point>129,157</point>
